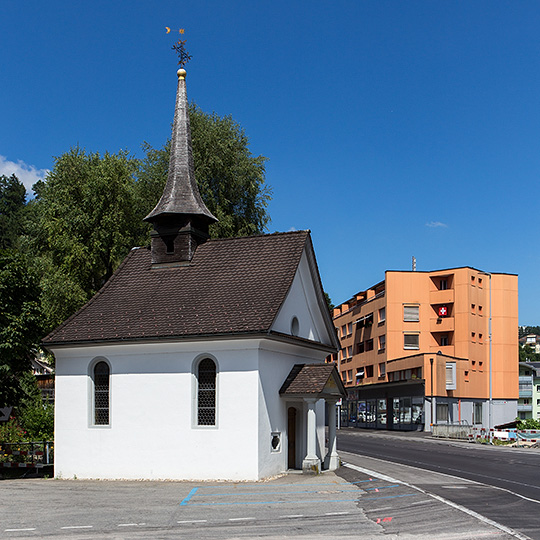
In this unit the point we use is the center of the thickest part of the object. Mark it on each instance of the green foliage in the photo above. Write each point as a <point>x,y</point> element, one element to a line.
<point>527,330</point>
<point>86,221</point>
<point>37,420</point>
<point>12,203</point>
<point>20,324</point>
<point>329,304</point>
<point>231,180</point>
<point>526,354</point>
<point>529,423</point>
<point>11,432</point>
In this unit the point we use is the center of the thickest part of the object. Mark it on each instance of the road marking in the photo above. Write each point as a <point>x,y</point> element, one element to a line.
<point>190,494</point>
<point>241,519</point>
<point>336,513</point>
<point>78,527</point>
<point>480,517</point>
<point>128,524</point>
<point>193,521</point>
<point>293,516</point>
<point>308,501</point>
<point>20,530</point>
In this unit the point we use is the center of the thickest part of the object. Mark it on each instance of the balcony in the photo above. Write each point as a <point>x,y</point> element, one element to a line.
<point>523,408</point>
<point>442,324</point>
<point>441,297</point>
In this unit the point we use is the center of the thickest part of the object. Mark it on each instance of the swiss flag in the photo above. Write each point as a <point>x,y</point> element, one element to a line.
<point>443,311</point>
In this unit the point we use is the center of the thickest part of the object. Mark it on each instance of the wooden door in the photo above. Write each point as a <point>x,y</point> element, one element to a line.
<point>291,438</point>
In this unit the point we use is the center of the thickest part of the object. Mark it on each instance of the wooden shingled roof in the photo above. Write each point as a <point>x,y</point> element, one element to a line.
<point>231,286</point>
<point>317,380</point>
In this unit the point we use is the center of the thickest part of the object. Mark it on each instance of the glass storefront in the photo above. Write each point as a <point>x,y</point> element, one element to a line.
<point>404,412</point>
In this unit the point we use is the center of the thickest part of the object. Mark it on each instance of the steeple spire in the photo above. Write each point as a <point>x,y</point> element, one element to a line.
<point>180,218</point>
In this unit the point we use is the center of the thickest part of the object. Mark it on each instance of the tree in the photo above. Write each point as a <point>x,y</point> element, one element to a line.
<point>86,221</point>
<point>12,203</point>
<point>20,324</point>
<point>526,354</point>
<point>231,180</point>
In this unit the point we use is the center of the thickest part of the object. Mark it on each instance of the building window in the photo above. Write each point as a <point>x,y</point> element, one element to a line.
<point>451,375</point>
<point>477,413</point>
<point>369,371</point>
<point>443,284</point>
<point>369,345</point>
<point>101,394</point>
<point>349,375</point>
<point>382,370</point>
<point>360,347</point>
<point>382,342</point>
<point>473,306</point>
<point>382,315</point>
<point>442,412</point>
<point>444,341</point>
<point>411,313</point>
<point>349,352</point>
<point>206,393</point>
<point>349,328</point>
<point>480,308</point>
<point>411,341</point>
<point>344,330</point>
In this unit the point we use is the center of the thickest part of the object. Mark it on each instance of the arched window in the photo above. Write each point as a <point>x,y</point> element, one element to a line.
<point>206,393</point>
<point>101,394</point>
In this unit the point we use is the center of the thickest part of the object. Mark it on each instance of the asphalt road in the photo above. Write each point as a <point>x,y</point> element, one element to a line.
<point>505,482</point>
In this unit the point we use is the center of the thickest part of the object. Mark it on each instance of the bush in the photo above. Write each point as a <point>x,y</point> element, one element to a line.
<point>37,420</point>
<point>11,432</point>
<point>529,423</point>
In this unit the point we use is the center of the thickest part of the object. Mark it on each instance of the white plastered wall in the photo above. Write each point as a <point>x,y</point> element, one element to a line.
<point>301,302</point>
<point>276,361</point>
<point>152,432</point>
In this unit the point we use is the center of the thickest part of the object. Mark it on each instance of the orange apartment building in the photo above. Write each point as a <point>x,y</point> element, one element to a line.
<point>416,349</point>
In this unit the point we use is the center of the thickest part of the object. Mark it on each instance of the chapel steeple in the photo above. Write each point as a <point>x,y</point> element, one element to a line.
<point>180,218</point>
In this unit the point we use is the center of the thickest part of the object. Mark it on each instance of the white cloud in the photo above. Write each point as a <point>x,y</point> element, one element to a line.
<point>292,229</point>
<point>434,224</point>
<point>27,174</point>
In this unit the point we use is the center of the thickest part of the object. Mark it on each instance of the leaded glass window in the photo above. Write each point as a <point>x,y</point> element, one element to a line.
<point>101,394</point>
<point>206,393</point>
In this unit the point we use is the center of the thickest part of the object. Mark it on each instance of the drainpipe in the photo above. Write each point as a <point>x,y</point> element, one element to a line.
<point>432,415</point>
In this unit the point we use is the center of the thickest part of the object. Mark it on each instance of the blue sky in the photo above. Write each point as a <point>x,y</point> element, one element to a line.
<point>392,128</point>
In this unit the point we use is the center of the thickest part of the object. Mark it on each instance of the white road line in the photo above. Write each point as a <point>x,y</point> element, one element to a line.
<point>20,530</point>
<point>480,517</point>
<point>336,513</point>
<point>193,521</point>
<point>78,527</point>
<point>128,524</point>
<point>241,519</point>
<point>293,516</point>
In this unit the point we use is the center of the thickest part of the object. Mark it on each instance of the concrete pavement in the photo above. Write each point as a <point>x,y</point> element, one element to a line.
<point>355,503</point>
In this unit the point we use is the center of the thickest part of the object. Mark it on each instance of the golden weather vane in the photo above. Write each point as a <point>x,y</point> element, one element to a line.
<point>180,48</point>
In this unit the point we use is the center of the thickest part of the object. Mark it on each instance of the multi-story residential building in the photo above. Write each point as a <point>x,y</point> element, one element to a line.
<point>416,349</point>
<point>529,391</point>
